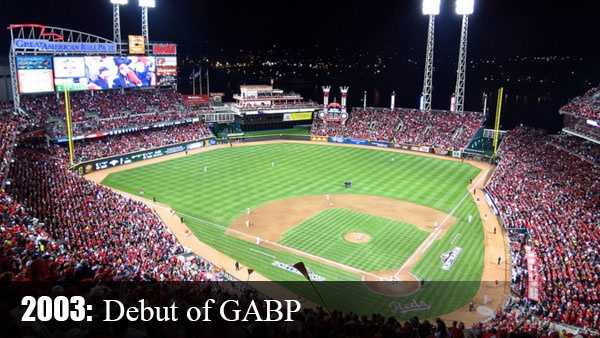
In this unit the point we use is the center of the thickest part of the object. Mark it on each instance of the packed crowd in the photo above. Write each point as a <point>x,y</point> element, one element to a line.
<point>8,133</point>
<point>93,111</point>
<point>140,140</point>
<point>585,150</point>
<point>125,122</point>
<point>554,196</point>
<point>581,126</point>
<point>83,230</point>
<point>586,106</point>
<point>438,129</point>
<point>372,124</point>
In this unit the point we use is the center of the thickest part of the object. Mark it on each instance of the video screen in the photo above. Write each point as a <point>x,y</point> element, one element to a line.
<point>34,74</point>
<point>105,72</point>
<point>166,70</point>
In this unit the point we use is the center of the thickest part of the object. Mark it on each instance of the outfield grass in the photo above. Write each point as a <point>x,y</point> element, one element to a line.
<point>246,177</point>
<point>390,246</point>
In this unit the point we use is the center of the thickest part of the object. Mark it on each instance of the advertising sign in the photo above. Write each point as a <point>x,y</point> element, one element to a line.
<point>137,44</point>
<point>115,161</point>
<point>164,49</point>
<point>107,72</point>
<point>379,144</point>
<point>302,116</point>
<point>34,74</point>
<point>65,47</point>
<point>347,140</point>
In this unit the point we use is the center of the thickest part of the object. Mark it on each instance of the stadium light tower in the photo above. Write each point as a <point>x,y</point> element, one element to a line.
<point>464,8</point>
<point>430,8</point>
<point>117,21</point>
<point>145,4</point>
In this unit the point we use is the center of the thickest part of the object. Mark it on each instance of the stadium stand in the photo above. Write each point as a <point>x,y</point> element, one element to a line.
<point>8,133</point>
<point>586,106</point>
<point>94,112</point>
<point>581,127</point>
<point>585,150</point>
<point>549,199</point>
<point>57,224</point>
<point>439,129</point>
<point>137,141</point>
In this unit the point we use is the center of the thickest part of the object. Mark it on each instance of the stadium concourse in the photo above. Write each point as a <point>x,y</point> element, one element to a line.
<point>57,225</point>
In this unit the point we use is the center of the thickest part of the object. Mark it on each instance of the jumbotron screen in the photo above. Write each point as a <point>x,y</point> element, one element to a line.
<point>104,72</point>
<point>34,74</point>
<point>166,70</point>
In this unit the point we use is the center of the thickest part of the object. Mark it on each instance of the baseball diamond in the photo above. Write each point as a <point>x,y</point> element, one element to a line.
<point>413,209</point>
<point>346,163</point>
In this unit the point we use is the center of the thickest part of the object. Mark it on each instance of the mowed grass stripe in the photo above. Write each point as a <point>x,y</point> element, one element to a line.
<point>391,242</point>
<point>244,177</point>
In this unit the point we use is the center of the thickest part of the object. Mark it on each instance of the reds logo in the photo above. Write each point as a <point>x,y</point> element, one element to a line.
<point>164,49</point>
<point>334,113</point>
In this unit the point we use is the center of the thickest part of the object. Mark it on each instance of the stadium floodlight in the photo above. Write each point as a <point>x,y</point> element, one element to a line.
<point>147,3</point>
<point>431,7</point>
<point>465,7</point>
<point>117,21</point>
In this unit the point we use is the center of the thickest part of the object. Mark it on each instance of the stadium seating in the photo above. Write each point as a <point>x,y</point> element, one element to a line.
<point>586,150</point>
<point>581,127</point>
<point>94,112</point>
<point>542,189</point>
<point>586,106</point>
<point>440,129</point>
<point>8,132</point>
<point>84,229</point>
<point>140,140</point>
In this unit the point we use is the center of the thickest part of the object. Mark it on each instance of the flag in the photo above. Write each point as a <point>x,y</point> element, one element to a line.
<point>302,269</point>
<point>195,74</point>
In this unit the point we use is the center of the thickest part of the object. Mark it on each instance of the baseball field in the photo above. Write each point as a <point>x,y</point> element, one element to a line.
<point>405,218</point>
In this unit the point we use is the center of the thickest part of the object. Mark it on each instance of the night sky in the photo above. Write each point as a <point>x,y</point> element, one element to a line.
<point>499,27</point>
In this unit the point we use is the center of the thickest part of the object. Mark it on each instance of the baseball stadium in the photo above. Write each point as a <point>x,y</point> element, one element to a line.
<point>110,172</point>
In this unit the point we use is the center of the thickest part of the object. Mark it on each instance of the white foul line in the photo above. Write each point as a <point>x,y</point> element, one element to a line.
<point>433,236</point>
<point>295,251</point>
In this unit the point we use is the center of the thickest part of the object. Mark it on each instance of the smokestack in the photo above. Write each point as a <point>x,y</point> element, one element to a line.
<point>344,91</point>
<point>326,90</point>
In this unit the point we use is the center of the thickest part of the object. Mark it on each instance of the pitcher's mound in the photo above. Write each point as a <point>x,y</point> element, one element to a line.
<point>357,237</point>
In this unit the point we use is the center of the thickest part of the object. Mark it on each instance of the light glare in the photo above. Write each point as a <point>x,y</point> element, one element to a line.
<point>119,2</point>
<point>465,7</point>
<point>431,7</point>
<point>147,3</point>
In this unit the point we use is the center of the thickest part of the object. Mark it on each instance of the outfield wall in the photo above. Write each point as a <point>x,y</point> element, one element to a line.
<point>383,144</point>
<point>119,160</point>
